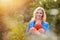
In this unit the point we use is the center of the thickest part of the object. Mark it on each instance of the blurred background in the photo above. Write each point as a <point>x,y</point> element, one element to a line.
<point>15,15</point>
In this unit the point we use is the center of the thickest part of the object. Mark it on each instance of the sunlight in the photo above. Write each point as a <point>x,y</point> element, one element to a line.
<point>40,2</point>
<point>11,4</point>
<point>55,0</point>
<point>5,1</point>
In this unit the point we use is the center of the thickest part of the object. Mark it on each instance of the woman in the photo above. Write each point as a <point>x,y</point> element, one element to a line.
<point>39,18</point>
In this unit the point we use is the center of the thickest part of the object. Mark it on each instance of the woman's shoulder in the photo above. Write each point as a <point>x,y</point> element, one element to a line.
<point>46,23</point>
<point>31,22</point>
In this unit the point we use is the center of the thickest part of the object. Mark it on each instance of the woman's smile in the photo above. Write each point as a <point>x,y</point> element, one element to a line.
<point>39,14</point>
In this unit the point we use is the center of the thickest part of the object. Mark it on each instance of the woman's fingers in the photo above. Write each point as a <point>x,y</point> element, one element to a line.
<point>41,30</point>
<point>32,30</point>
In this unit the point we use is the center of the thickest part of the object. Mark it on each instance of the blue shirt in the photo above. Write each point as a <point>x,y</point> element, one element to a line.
<point>45,26</point>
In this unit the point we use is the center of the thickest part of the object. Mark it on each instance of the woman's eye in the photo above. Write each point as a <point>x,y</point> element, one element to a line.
<point>40,13</point>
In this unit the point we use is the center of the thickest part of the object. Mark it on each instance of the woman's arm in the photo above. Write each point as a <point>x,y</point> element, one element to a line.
<point>47,28</point>
<point>31,29</point>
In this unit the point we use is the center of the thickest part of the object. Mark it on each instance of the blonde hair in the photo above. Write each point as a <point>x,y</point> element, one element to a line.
<point>44,14</point>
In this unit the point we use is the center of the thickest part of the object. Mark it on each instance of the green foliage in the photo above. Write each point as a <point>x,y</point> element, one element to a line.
<point>47,5</point>
<point>17,32</point>
<point>16,22</point>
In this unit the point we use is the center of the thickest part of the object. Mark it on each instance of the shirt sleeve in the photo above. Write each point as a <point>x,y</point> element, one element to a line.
<point>47,28</point>
<point>30,25</point>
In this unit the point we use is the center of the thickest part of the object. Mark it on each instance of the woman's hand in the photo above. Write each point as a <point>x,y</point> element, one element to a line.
<point>32,30</point>
<point>41,30</point>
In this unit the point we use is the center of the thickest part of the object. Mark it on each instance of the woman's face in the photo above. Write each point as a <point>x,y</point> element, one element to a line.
<point>39,14</point>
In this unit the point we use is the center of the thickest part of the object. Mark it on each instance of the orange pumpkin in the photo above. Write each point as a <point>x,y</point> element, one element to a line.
<point>38,26</point>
